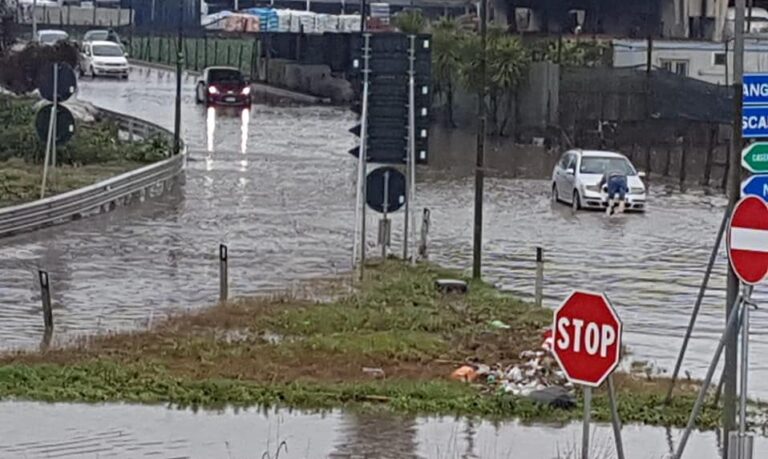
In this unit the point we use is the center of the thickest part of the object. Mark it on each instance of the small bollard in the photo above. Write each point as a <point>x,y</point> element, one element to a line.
<point>223,274</point>
<point>740,446</point>
<point>45,295</point>
<point>539,286</point>
<point>385,232</point>
<point>424,234</point>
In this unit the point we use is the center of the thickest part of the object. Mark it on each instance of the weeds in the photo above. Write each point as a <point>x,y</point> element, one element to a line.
<point>305,354</point>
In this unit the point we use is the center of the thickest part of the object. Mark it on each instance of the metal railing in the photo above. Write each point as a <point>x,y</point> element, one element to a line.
<point>103,196</point>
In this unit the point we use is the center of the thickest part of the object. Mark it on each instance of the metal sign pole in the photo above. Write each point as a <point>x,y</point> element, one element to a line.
<point>615,421</point>
<point>734,191</point>
<point>361,164</point>
<point>744,361</point>
<point>47,158</point>
<point>55,113</point>
<point>585,426</point>
<point>412,156</point>
<point>699,299</point>
<point>410,165</point>
<point>729,328</point>
<point>383,228</point>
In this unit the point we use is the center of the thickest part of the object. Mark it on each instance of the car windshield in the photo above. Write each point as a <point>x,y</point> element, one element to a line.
<point>601,165</point>
<point>220,75</point>
<point>107,50</point>
<point>52,37</point>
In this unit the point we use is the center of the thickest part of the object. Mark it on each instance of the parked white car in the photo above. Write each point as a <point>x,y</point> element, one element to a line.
<point>103,58</point>
<point>50,37</point>
<point>576,179</point>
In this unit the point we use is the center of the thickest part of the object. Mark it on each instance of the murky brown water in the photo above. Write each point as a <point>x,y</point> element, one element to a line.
<point>127,431</point>
<point>278,186</point>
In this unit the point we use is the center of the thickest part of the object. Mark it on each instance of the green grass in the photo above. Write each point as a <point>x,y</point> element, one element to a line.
<point>394,320</point>
<point>94,153</point>
<point>104,381</point>
<point>20,182</point>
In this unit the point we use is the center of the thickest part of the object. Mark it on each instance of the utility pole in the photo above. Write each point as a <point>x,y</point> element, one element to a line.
<point>477,246</point>
<point>34,20</point>
<point>179,58</point>
<point>734,191</point>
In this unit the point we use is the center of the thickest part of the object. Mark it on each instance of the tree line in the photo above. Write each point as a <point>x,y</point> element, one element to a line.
<point>456,59</point>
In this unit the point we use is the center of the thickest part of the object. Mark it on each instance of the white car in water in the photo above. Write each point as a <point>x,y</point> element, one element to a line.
<point>576,179</point>
<point>103,58</point>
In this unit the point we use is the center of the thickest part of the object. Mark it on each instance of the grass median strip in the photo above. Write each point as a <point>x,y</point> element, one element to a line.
<point>295,352</point>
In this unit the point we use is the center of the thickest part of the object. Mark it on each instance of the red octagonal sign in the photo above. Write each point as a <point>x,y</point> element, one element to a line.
<point>587,338</point>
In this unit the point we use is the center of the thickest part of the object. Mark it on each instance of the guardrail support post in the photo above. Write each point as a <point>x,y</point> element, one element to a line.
<point>45,295</point>
<point>539,286</point>
<point>223,273</point>
<point>130,130</point>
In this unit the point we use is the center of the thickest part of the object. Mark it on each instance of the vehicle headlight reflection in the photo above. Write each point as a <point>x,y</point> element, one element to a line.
<point>245,118</point>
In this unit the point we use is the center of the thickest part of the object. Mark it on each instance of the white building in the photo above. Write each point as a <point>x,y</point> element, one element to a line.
<point>708,61</point>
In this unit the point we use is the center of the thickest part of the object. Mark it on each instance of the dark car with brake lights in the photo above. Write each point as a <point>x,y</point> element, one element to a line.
<point>223,86</point>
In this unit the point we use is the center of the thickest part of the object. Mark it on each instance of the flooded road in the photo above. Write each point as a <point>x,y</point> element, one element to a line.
<point>277,185</point>
<point>127,431</point>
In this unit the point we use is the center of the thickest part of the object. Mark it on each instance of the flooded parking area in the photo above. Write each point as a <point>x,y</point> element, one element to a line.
<point>277,185</point>
<point>37,430</point>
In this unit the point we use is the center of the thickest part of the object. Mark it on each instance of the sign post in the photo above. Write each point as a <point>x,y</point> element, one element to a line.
<point>587,345</point>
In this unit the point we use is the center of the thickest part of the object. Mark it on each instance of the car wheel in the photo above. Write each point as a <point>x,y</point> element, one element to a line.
<point>93,73</point>
<point>555,197</point>
<point>198,97</point>
<point>576,201</point>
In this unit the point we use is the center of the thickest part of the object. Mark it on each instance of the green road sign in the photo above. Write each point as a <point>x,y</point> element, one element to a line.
<point>754,158</point>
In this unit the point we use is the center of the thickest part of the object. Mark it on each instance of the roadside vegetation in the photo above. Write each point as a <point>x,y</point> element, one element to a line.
<point>456,58</point>
<point>288,351</point>
<point>94,153</point>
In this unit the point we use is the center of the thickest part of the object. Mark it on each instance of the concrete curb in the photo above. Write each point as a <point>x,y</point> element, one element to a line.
<point>260,90</point>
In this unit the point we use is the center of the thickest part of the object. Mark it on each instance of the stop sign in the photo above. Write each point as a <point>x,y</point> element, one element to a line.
<point>587,338</point>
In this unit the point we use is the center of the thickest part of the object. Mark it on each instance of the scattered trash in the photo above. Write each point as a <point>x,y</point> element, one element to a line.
<point>376,373</point>
<point>558,397</point>
<point>499,324</point>
<point>464,374</point>
<point>538,377</point>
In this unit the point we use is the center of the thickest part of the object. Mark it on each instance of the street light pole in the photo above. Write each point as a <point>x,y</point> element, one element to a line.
<point>179,58</point>
<point>34,20</point>
<point>477,246</point>
<point>734,191</point>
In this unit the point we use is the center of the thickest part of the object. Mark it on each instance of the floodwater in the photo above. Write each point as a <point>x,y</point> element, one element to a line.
<point>129,431</point>
<point>277,185</point>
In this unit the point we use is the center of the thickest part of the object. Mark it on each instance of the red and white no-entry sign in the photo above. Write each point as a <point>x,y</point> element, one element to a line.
<point>748,240</point>
<point>587,338</point>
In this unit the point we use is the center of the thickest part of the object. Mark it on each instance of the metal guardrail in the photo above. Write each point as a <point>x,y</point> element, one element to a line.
<point>106,195</point>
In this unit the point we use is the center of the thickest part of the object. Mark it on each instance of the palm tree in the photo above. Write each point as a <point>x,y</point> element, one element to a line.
<point>507,68</point>
<point>446,56</point>
<point>410,22</point>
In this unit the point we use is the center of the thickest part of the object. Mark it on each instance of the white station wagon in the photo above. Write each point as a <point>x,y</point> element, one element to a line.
<point>576,179</point>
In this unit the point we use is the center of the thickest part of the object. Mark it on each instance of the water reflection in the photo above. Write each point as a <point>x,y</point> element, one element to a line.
<point>650,265</point>
<point>210,124</point>
<point>245,120</point>
<point>126,431</point>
